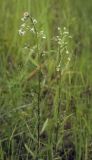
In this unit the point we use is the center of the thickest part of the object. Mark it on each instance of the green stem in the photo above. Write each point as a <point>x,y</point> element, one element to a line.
<point>59,100</point>
<point>39,91</point>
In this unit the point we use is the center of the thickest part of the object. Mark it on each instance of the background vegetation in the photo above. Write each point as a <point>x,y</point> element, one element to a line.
<point>64,134</point>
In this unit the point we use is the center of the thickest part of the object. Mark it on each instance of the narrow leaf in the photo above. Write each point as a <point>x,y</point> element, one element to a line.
<point>44,126</point>
<point>29,151</point>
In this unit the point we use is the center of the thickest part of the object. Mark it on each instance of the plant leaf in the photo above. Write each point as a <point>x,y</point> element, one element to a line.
<point>44,126</point>
<point>29,151</point>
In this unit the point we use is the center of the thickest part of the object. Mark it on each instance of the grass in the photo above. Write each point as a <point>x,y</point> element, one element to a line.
<point>45,114</point>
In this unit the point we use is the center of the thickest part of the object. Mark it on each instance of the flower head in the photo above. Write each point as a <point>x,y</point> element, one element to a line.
<point>23,25</point>
<point>34,21</point>
<point>26,14</point>
<point>32,30</point>
<point>21,32</point>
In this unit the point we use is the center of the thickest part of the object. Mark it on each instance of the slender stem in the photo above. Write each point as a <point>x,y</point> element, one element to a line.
<point>59,98</point>
<point>39,91</point>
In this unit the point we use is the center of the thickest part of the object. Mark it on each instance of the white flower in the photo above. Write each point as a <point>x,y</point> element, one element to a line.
<point>70,36</point>
<point>23,25</point>
<point>25,47</point>
<point>26,14</point>
<point>57,37</point>
<point>32,30</point>
<point>28,27</point>
<point>64,28</point>
<point>58,68</point>
<point>21,32</point>
<point>69,58</point>
<point>34,21</point>
<point>23,19</point>
<point>66,32</point>
<point>59,29</point>
<point>44,37</point>
<point>67,52</point>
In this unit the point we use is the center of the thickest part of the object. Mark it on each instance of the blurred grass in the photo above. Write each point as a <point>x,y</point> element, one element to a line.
<point>76,83</point>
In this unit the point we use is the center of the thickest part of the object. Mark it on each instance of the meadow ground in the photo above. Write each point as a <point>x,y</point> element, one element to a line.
<point>45,80</point>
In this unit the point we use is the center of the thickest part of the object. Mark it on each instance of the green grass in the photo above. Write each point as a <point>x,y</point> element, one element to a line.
<point>45,115</point>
